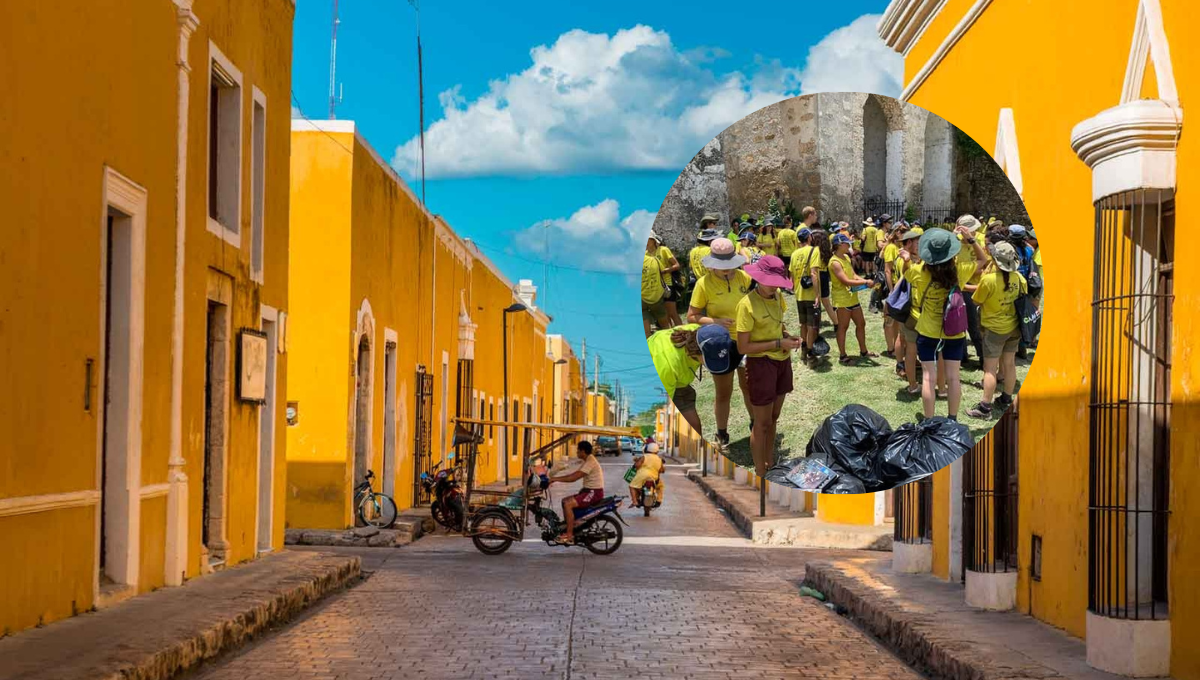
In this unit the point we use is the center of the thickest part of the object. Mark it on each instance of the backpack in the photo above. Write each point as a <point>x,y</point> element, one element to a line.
<point>954,316</point>
<point>899,301</point>
<point>1029,319</point>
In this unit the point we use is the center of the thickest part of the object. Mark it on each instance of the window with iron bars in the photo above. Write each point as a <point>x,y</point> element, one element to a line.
<point>989,491</point>
<point>913,521</point>
<point>1130,405</point>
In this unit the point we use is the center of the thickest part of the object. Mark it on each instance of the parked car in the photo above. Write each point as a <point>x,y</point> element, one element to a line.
<point>628,444</point>
<point>608,446</point>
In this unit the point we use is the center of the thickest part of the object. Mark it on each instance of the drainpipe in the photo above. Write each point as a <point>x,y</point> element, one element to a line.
<point>175,564</point>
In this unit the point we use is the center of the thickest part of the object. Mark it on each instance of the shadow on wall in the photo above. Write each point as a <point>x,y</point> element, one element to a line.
<point>316,495</point>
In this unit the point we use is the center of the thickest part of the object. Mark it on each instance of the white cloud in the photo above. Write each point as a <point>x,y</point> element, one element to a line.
<point>595,237</point>
<point>593,102</point>
<point>853,59</point>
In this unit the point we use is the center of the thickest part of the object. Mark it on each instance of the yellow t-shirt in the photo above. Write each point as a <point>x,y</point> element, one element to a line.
<point>996,311</point>
<point>909,270</point>
<point>664,259</point>
<point>1037,257</point>
<point>763,320</point>
<point>803,262</point>
<point>964,262</point>
<point>842,296</point>
<point>870,240</point>
<point>787,242</point>
<point>694,257</point>
<point>718,297</point>
<point>856,243</point>
<point>752,253</point>
<point>652,284</point>
<point>931,304</point>
<point>891,254</point>
<point>766,243</point>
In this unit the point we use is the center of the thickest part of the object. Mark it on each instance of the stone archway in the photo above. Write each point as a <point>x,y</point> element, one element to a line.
<point>875,150</point>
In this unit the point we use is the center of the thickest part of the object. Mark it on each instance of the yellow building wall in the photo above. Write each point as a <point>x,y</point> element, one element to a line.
<point>847,509</point>
<point>119,66</point>
<point>1051,89</point>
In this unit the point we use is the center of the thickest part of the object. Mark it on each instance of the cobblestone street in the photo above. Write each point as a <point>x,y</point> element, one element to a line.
<point>685,597</point>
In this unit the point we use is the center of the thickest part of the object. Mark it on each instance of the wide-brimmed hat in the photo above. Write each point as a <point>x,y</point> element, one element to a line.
<point>969,222</point>
<point>717,348</point>
<point>1030,235</point>
<point>654,236</point>
<point>709,217</point>
<point>771,222</point>
<point>911,234</point>
<point>747,235</point>
<point>1016,230</point>
<point>722,255</point>
<point>744,226</point>
<point>1005,256</point>
<point>839,239</point>
<point>770,271</point>
<point>938,246</point>
<point>885,218</point>
<point>707,235</point>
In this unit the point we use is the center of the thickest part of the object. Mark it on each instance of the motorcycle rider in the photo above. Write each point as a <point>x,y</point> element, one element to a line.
<point>591,493</point>
<point>649,466</point>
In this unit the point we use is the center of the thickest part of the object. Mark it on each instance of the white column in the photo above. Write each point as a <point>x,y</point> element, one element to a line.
<point>175,563</point>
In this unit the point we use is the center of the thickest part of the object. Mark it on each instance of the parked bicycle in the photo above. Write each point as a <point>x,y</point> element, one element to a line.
<point>374,509</point>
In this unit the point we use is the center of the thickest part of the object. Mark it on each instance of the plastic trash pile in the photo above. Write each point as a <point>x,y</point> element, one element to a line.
<point>865,454</point>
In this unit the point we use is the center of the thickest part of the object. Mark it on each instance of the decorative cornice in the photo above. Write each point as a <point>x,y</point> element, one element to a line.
<point>1130,146</point>
<point>960,29</point>
<point>904,22</point>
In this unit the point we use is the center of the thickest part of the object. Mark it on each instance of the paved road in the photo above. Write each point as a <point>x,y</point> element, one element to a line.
<point>685,597</point>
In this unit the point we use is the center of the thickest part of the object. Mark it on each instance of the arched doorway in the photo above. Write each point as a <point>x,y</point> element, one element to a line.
<point>875,151</point>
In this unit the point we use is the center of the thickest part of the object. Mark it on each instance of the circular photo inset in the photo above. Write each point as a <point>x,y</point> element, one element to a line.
<point>842,291</point>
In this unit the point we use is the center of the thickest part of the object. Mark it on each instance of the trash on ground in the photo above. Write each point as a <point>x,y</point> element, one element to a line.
<point>813,593</point>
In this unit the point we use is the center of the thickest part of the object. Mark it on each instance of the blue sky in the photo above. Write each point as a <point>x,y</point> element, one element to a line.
<point>565,123</point>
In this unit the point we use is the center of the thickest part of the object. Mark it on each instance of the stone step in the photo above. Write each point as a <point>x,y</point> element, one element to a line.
<point>404,531</point>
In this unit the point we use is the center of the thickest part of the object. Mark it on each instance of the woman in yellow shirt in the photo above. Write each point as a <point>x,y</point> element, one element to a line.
<point>933,283</point>
<point>845,300</point>
<point>669,265</point>
<point>747,246</point>
<point>767,346</point>
<point>767,238</point>
<point>996,294</point>
<point>891,276</point>
<point>807,262</point>
<point>787,241</point>
<point>714,302</point>
<point>654,310</point>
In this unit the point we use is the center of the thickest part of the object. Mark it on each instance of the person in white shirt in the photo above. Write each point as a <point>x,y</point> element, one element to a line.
<point>591,493</point>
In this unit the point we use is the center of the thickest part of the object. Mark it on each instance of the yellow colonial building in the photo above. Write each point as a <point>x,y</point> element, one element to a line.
<point>397,325</point>
<point>1080,508</point>
<point>144,296</point>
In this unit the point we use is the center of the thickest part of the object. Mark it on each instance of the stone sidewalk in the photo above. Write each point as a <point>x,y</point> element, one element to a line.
<point>782,526</point>
<point>159,634</point>
<point>926,622</point>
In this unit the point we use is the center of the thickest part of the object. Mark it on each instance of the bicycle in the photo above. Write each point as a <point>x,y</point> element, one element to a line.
<point>374,509</point>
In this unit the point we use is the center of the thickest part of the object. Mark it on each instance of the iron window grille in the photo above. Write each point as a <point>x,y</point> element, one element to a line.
<point>1130,405</point>
<point>940,215</point>
<point>881,206</point>
<point>463,409</point>
<point>989,491</point>
<point>913,521</point>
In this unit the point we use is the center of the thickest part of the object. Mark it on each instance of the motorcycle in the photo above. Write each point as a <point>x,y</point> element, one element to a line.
<point>651,491</point>
<point>597,528</point>
<point>447,494</point>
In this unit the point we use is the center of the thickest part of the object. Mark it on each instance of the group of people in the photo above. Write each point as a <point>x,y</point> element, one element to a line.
<point>734,319</point>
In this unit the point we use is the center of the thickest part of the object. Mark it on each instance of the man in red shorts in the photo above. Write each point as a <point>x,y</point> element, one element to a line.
<point>591,493</point>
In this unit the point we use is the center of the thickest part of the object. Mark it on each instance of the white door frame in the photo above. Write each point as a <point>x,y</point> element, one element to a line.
<point>264,515</point>
<point>124,540</point>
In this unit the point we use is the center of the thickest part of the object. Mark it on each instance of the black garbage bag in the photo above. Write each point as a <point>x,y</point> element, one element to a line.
<point>849,441</point>
<point>918,449</point>
<point>845,484</point>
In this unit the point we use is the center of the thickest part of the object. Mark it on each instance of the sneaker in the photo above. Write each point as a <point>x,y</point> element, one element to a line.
<point>722,439</point>
<point>980,410</point>
<point>1004,400</point>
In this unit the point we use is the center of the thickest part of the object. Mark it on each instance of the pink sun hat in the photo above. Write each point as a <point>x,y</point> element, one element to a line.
<point>770,271</point>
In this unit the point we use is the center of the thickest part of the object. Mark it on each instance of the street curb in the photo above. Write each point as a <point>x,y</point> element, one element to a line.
<point>905,633</point>
<point>158,635</point>
<point>257,618</point>
<point>743,523</point>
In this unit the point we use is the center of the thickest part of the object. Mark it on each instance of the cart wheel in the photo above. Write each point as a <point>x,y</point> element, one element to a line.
<point>492,531</point>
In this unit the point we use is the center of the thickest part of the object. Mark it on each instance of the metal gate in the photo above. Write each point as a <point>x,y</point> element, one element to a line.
<point>989,483</point>
<point>874,207</point>
<point>913,522</point>
<point>1130,413</point>
<point>423,438</point>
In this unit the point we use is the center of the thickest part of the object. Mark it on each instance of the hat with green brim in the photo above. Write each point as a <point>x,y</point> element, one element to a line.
<point>1005,256</point>
<point>910,235</point>
<point>709,217</point>
<point>938,246</point>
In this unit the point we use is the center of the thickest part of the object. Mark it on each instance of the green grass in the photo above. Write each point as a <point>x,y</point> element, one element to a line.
<point>822,392</point>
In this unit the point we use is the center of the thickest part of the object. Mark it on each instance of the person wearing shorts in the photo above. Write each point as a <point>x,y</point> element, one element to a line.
<point>761,337</point>
<point>845,300</point>
<point>908,257</point>
<point>714,305</point>
<point>676,356</point>
<point>592,492</point>
<point>807,264</point>
<point>935,281</point>
<point>654,310</point>
<point>996,294</point>
<point>669,265</point>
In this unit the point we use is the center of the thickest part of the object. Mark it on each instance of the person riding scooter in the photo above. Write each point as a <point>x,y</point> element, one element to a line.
<point>591,493</point>
<point>649,466</point>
